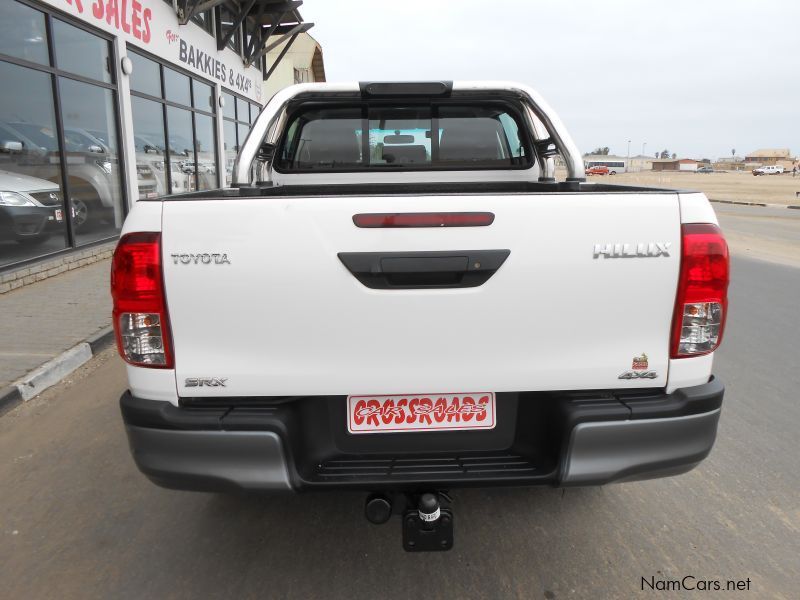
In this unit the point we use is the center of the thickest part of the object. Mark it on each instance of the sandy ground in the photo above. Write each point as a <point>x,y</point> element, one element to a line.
<point>741,186</point>
<point>738,186</point>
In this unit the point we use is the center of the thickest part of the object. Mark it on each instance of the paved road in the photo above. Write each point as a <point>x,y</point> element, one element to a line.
<point>78,521</point>
<point>771,234</point>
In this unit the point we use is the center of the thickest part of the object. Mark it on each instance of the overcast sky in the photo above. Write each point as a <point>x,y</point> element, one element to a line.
<point>698,78</point>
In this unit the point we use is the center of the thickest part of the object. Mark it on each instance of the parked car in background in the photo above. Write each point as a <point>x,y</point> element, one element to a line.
<point>768,170</point>
<point>151,154</point>
<point>92,178</point>
<point>705,170</point>
<point>146,180</point>
<point>600,170</point>
<point>30,208</point>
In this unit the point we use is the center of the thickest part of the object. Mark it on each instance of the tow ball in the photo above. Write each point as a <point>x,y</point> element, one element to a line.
<point>427,518</point>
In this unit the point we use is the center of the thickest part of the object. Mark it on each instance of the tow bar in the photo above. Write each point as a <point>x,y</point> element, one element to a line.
<point>427,518</point>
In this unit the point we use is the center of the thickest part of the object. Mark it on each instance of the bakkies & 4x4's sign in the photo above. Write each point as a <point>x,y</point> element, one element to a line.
<point>209,65</point>
<point>153,26</point>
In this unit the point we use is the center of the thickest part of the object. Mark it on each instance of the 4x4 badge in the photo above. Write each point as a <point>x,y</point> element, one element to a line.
<point>639,375</point>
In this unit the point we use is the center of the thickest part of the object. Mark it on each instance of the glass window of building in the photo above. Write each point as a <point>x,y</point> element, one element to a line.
<point>32,212</point>
<point>231,147</point>
<point>174,133</point>
<point>22,33</point>
<point>81,52</point>
<point>146,75</point>
<point>60,162</point>
<point>181,150</point>
<point>206,147</point>
<point>93,167</point>
<point>203,95</point>
<point>242,110</point>
<point>150,144</point>
<point>205,21</point>
<point>176,87</point>
<point>238,115</point>
<point>229,110</point>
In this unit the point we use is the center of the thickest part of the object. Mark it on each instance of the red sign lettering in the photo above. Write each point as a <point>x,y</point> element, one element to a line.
<point>125,15</point>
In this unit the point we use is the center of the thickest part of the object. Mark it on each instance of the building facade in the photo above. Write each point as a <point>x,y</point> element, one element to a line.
<point>105,102</point>
<point>680,164</point>
<point>769,156</point>
<point>300,63</point>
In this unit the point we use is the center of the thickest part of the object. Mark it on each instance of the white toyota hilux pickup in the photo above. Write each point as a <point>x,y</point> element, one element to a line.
<point>397,296</point>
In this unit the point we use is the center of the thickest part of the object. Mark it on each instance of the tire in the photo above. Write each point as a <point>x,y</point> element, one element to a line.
<point>612,172</point>
<point>81,213</point>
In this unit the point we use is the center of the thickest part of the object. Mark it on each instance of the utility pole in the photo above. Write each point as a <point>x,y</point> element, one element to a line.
<point>627,162</point>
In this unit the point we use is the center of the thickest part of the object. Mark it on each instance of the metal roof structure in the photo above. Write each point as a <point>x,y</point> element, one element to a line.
<point>278,21</point>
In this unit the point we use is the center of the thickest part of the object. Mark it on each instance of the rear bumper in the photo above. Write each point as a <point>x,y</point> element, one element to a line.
<point>542,439</point>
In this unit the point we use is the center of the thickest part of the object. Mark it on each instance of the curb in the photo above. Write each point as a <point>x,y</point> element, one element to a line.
<point>54,370</point>
<point>742,203</point>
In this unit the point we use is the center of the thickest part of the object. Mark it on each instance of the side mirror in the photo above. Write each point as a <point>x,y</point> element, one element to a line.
<point>10,146</point>
<point>95,149</point>
<point>266,152</point>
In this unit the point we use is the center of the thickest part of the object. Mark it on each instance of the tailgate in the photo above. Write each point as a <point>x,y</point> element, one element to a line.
<point>284,315</point>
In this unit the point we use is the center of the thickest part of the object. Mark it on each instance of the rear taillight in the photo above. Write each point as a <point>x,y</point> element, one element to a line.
<point>702,302</point>
<point>140,317</point>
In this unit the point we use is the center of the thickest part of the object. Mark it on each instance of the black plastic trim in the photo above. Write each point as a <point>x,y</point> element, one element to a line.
<point>526,448</point>
<point>475,188</point>
<point>421,270</point>
<point>580,407</point>
<point>405,88</point>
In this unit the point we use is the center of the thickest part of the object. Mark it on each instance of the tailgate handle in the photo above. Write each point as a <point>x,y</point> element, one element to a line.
<point>420,270</point>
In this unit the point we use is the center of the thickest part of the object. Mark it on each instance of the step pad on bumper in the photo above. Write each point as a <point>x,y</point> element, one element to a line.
<point>484,465</point>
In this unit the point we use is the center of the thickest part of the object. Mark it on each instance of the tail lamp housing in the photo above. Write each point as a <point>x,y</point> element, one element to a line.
<point>701,305</point>
<point>141,321</point>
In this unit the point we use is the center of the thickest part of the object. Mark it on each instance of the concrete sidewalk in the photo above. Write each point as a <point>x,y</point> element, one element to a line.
<point>42,321</point>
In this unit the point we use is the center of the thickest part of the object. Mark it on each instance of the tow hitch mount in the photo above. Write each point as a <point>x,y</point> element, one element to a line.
<point>427,518</point>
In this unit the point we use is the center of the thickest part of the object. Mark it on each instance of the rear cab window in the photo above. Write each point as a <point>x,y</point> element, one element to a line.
<point>386,137</point>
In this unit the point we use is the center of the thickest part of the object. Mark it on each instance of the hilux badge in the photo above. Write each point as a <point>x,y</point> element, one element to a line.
<point>636,250</point>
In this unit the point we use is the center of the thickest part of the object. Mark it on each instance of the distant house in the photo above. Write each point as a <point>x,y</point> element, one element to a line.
<point>641,163</point>
<point>769,156</point>
<point>729,163</point>
<point>680,164</point>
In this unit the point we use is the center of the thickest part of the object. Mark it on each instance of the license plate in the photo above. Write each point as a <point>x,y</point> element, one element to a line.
<point>420,412</point>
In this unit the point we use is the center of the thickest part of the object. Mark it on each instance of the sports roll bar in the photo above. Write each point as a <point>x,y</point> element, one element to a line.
<point>271,120</point>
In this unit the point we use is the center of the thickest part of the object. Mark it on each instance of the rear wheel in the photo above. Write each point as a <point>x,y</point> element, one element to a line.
<point>80,213</point>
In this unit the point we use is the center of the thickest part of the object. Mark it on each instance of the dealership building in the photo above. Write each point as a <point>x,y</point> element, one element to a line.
<point>105,102</point>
